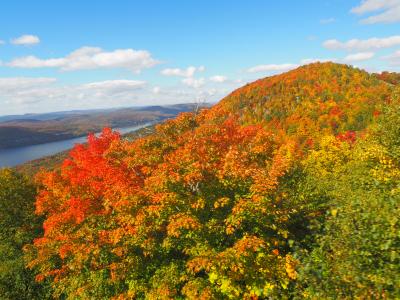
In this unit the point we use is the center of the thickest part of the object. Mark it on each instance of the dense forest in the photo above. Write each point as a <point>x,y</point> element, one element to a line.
<point>288,188</point>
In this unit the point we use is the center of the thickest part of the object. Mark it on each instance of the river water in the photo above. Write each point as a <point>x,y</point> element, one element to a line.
<point>11,157</point>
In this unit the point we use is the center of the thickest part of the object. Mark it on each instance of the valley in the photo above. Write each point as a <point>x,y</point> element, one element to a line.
<point>33,129</point>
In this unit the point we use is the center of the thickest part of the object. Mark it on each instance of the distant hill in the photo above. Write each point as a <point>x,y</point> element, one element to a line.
<point>64,114</point>
<point>32,129</point>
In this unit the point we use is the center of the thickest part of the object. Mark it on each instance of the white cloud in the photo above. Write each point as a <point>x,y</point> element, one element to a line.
<point>271,68</point>
<point>115,85</point>
<point>354,57</point>
<point>34,62</point>
<point>218,78</point>
<point>188,75</point>
<point>18,95</point>
<point>307,61</point>
<point>86,58</point>
<point>156,90</point>
<point>16,83</point>
<point>193,82</point>
<point>15,91</point>
<point>394,58</point>
<point>327,21</point>
<point>360,56</point>
<point>26,39</point>
<point>23,95</point>
<point>356,44</point>
<point>387,11</point>
<point>2,42</point>
<point>188,72</point>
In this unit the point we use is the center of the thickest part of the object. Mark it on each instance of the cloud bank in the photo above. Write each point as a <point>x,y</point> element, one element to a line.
<point>386,11</point>
<point>271,68</point>
<point>87,58</point>
<point>356,44</point>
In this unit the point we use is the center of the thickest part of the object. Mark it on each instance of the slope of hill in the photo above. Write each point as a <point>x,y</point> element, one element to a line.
<point>232,202</point>
<point>312,99</point>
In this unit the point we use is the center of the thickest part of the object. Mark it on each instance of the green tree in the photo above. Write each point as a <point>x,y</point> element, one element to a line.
<point>357,251</point>
<point>18,226</point>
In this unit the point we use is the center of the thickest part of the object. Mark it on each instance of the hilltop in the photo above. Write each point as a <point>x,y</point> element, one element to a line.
<point>312,99</point>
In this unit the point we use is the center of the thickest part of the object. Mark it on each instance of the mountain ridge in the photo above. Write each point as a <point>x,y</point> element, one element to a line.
<point>327,96</point>
<point>58,126</point>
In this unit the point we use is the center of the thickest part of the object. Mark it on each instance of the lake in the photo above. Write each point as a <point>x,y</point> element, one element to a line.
<point>11,157</point>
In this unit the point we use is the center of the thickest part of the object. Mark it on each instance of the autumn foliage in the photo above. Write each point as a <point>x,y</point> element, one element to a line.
<point>214,204</point>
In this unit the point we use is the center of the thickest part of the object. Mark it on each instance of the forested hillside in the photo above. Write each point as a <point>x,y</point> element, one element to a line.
<point>288,188</point>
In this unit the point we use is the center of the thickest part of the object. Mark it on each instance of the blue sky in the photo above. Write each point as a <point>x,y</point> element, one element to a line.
<point>61,55</point>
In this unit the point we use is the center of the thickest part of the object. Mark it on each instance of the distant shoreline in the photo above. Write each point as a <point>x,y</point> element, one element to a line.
<point>12,157</point>
<point>55,127</point>
<point>54,161</point>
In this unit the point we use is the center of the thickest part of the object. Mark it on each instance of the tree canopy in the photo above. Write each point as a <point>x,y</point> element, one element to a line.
<point>287,188</point>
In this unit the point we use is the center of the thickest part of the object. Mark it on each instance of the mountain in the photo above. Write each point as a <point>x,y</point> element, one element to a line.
<point>64,114</point>
<point>313,99</point>
<point>287,188</point>
<point>24,130</point>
